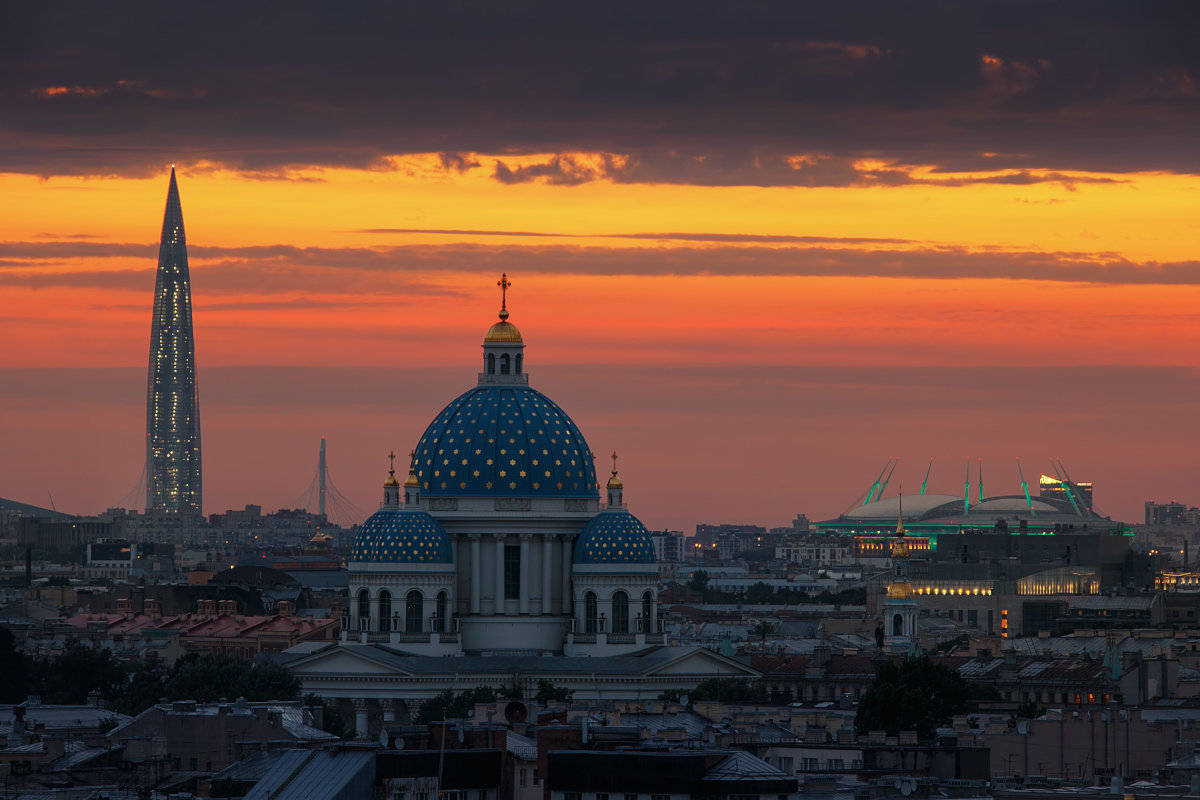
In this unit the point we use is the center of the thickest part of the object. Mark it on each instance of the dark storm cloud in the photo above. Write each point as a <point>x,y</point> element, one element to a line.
<point>285,270</point>
<point>706,93</point>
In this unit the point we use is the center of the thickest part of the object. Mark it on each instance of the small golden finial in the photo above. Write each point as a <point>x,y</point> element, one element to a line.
<point>411,480</point>
<point>900,518</point>
<point>615,481</point>
<point>391,480</point>
<point>504,283</point>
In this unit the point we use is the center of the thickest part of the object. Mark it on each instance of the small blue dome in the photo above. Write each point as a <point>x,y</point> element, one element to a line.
<point>614,537</point>
<point>401,536</point>
<point>504,440</point>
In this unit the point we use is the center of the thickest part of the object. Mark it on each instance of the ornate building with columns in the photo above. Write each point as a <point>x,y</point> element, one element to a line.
<point>497,561</point>
<point>500,544</point>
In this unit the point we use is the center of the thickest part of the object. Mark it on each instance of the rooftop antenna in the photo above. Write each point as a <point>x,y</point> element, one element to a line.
<point>981,480</point>
<point>52,506</point>
<point>1025,489</point>
<point>925,482</point>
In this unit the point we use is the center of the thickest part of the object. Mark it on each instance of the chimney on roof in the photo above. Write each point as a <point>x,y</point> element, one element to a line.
<point>208,608</point>
<point>287,608</point>
<point>124,606</point>
<point>152,608</point>
<point>228,607</point>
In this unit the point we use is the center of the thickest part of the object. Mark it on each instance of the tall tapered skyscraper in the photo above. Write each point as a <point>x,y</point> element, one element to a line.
<point>172,401</point>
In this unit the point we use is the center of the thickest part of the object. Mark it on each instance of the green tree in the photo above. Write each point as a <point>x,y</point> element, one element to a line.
<point>448,705</point>
<point>917,694</point>
<point>67,678</point>
<point>547,692</point>
<point>332,720</point>
<point>14,667</point>
<point>699,581</point>
<point>722,690</point>
<point>208,677</point>
<point>755,554</point>
<point>763,629</point>
<point>759,594</point>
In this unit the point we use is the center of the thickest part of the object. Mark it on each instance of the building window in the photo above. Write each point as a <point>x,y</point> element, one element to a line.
<point>491,363</point>
<point>385,611</point>
<point>784,763</point>
<point>524,777</point>
<point>647,613</point>
<point>572,796</point>
<point>631,797</point>
<point>512,572</point>
<point>620,613</point>
<point>413,611</point>
<point>590,622</point>
<point>601,795</point>
<point>504,364</point>
<point>440,622</point>
<point>364,606</point>
<point>660,797</point>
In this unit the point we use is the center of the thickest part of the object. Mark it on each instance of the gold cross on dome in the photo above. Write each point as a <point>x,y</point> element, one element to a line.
<point>614,458</point>
<point>504,283</point>
<point>392,461</point>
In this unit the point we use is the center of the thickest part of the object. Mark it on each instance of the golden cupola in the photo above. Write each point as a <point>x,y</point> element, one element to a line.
<point>503,346</point>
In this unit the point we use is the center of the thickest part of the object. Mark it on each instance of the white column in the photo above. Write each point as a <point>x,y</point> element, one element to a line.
<point>653,613</point>
<point>547,573</point>
<point>524,602</point>
<point>476,588</point>
<point>568,595</point>
<point>499,575</point>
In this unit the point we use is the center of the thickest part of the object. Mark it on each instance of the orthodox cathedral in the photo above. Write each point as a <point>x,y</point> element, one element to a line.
<point>495,561</point>
<point>498,542</point>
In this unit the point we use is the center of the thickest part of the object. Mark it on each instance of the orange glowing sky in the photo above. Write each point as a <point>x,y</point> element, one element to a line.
<point>716,298</point>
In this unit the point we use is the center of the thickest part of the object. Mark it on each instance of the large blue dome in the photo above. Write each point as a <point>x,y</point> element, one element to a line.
<point>614,537</point>
<point>505,440</point>
<point>401,536</point>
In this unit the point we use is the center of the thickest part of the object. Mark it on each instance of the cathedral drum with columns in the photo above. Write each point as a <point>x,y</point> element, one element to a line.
<point>497,542</point>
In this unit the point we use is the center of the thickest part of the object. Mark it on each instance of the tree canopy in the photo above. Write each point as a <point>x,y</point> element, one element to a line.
<point>723,690</point>
<point>917,694</point>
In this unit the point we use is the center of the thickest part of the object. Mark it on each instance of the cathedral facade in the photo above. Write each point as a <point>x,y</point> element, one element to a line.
<point>498,542</point>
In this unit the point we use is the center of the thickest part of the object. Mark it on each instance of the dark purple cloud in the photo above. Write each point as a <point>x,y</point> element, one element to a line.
<point>696,92</point>
<point>285,269</point>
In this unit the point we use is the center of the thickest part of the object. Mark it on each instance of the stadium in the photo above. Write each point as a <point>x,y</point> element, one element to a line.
<point>1061,506</point>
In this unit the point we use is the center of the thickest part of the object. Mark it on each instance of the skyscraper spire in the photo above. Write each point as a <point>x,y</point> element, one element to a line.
<point>173,482</point>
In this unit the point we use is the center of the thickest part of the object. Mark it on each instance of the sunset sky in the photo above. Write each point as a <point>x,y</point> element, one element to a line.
<point>756,248</point>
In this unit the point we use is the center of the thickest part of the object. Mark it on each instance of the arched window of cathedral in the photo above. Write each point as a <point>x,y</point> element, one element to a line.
<point>491,364</point>
<point>590,620</point>
<point>897,625</point>
<point>504,364</point>
<point>385,611</point>
<point>647,612</point>
<point>414,610</point>
<point>440,625</point>
<point>518,369</point>
<point>620,613</point>
<point>364,609</point>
